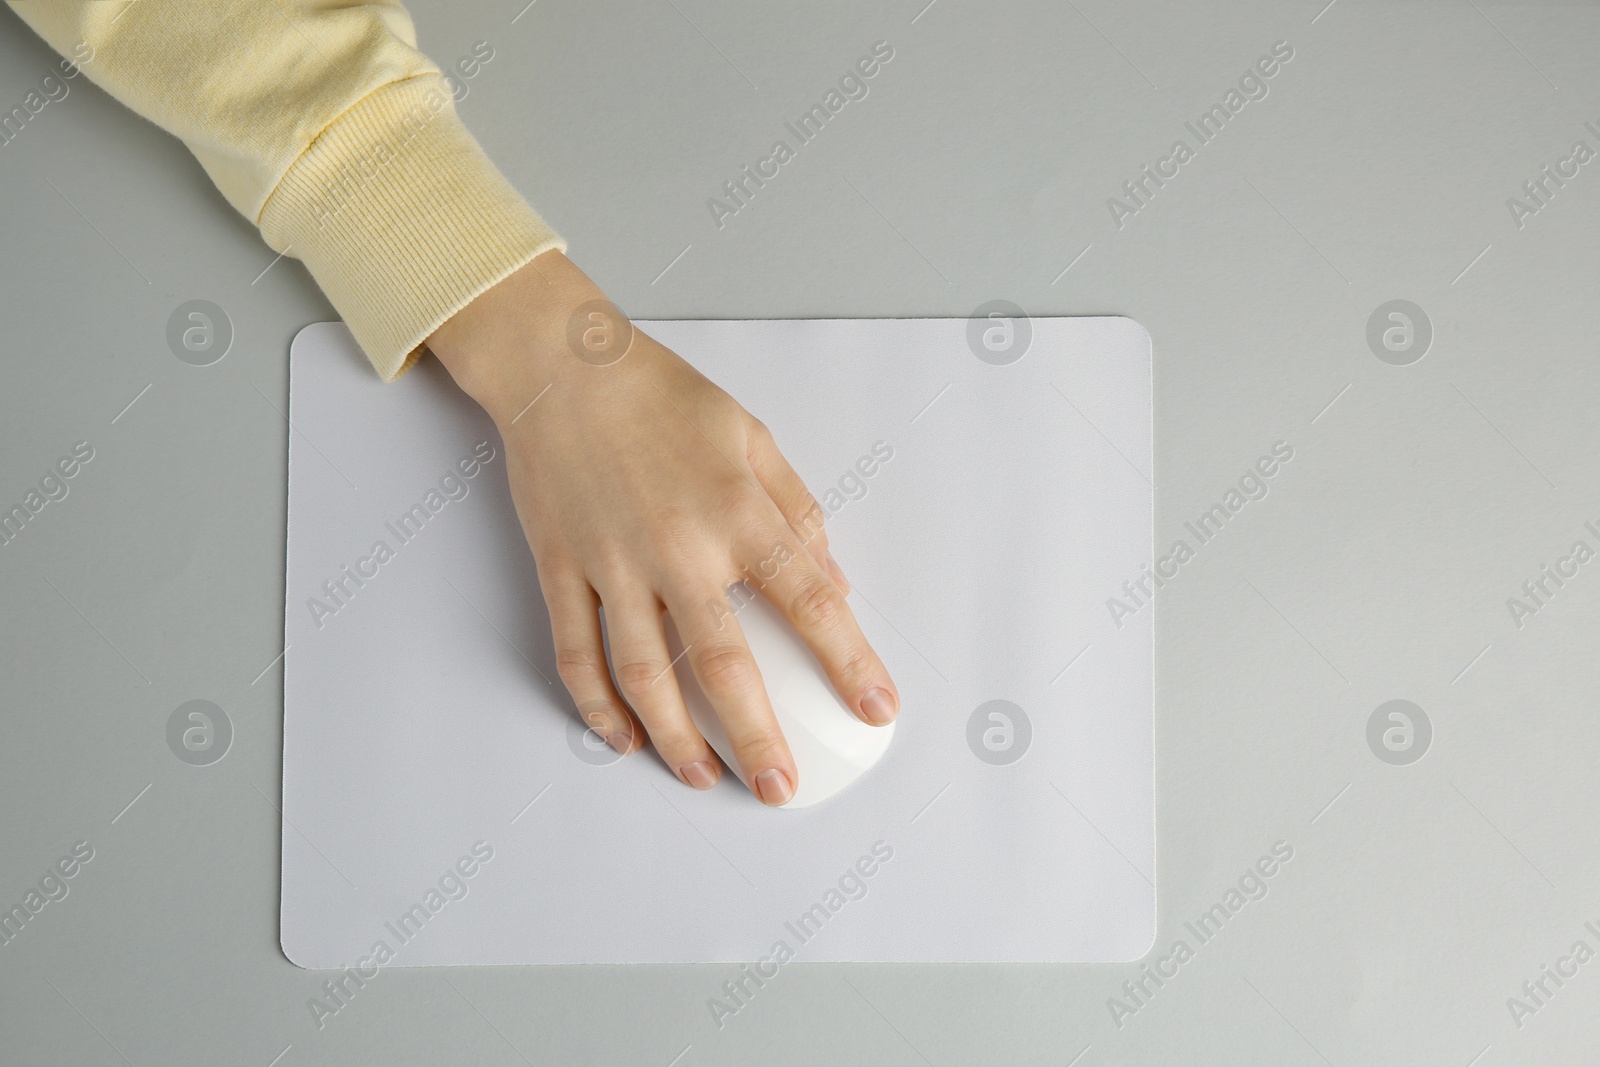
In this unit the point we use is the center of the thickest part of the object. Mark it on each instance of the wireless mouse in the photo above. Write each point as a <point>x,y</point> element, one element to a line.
<point>831,747</point>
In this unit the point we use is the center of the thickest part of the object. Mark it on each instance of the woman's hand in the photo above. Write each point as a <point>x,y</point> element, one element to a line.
<point>641,486</point>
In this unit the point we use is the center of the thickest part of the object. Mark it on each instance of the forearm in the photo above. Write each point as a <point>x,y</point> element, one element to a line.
<point>327,128</point>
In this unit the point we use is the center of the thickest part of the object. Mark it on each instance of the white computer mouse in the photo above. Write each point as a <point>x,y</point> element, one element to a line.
<point>831,747</point>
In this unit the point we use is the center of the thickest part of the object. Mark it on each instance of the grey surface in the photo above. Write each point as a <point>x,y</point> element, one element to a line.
<point>1420,897</point>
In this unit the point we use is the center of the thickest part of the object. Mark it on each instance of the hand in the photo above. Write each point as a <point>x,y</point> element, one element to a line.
<point>642,487</point>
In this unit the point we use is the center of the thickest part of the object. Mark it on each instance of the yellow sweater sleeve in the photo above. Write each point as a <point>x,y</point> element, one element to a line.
<point>321,122</point>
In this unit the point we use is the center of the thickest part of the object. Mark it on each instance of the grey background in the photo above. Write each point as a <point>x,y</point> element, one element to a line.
<point>1420,897</point>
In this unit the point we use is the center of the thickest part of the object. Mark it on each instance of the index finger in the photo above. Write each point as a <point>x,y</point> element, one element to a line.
<point>816,607</point>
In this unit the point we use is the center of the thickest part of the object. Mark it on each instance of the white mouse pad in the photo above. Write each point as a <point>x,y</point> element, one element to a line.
<point>989,489</point>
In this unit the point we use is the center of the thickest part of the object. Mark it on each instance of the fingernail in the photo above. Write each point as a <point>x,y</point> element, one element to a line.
<point>773,787</point>
<point>878,707</point>
<point>698,774</point>
<point>620,741</point>
<point>837,572</point>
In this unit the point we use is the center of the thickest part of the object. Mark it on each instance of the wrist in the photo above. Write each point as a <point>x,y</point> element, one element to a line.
<point>515,333</point>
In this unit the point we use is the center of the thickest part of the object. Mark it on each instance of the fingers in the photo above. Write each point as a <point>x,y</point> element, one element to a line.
<point>816,607</point>
<point>644,674</point>
<point>721,660</point>
<point>799,508</point>
<point>581,662</point>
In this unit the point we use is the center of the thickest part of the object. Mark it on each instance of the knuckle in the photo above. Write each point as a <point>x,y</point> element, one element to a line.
<point>816,604</point>
<point>720,416</point>
<point>678,551</point>
<point>743,508</point>
<point>675,744</point>
<point>556,575</point>
<point>576,665</point>
<point>636,676</point>
<point>723,667</point>
<point>857,665</point>
<point>810,521</point>
<point>608,565</point>
<point>676,534</point>
<point>764,748</point>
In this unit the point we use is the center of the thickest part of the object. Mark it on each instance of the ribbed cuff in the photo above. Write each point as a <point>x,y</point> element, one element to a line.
<point>402,219</point>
